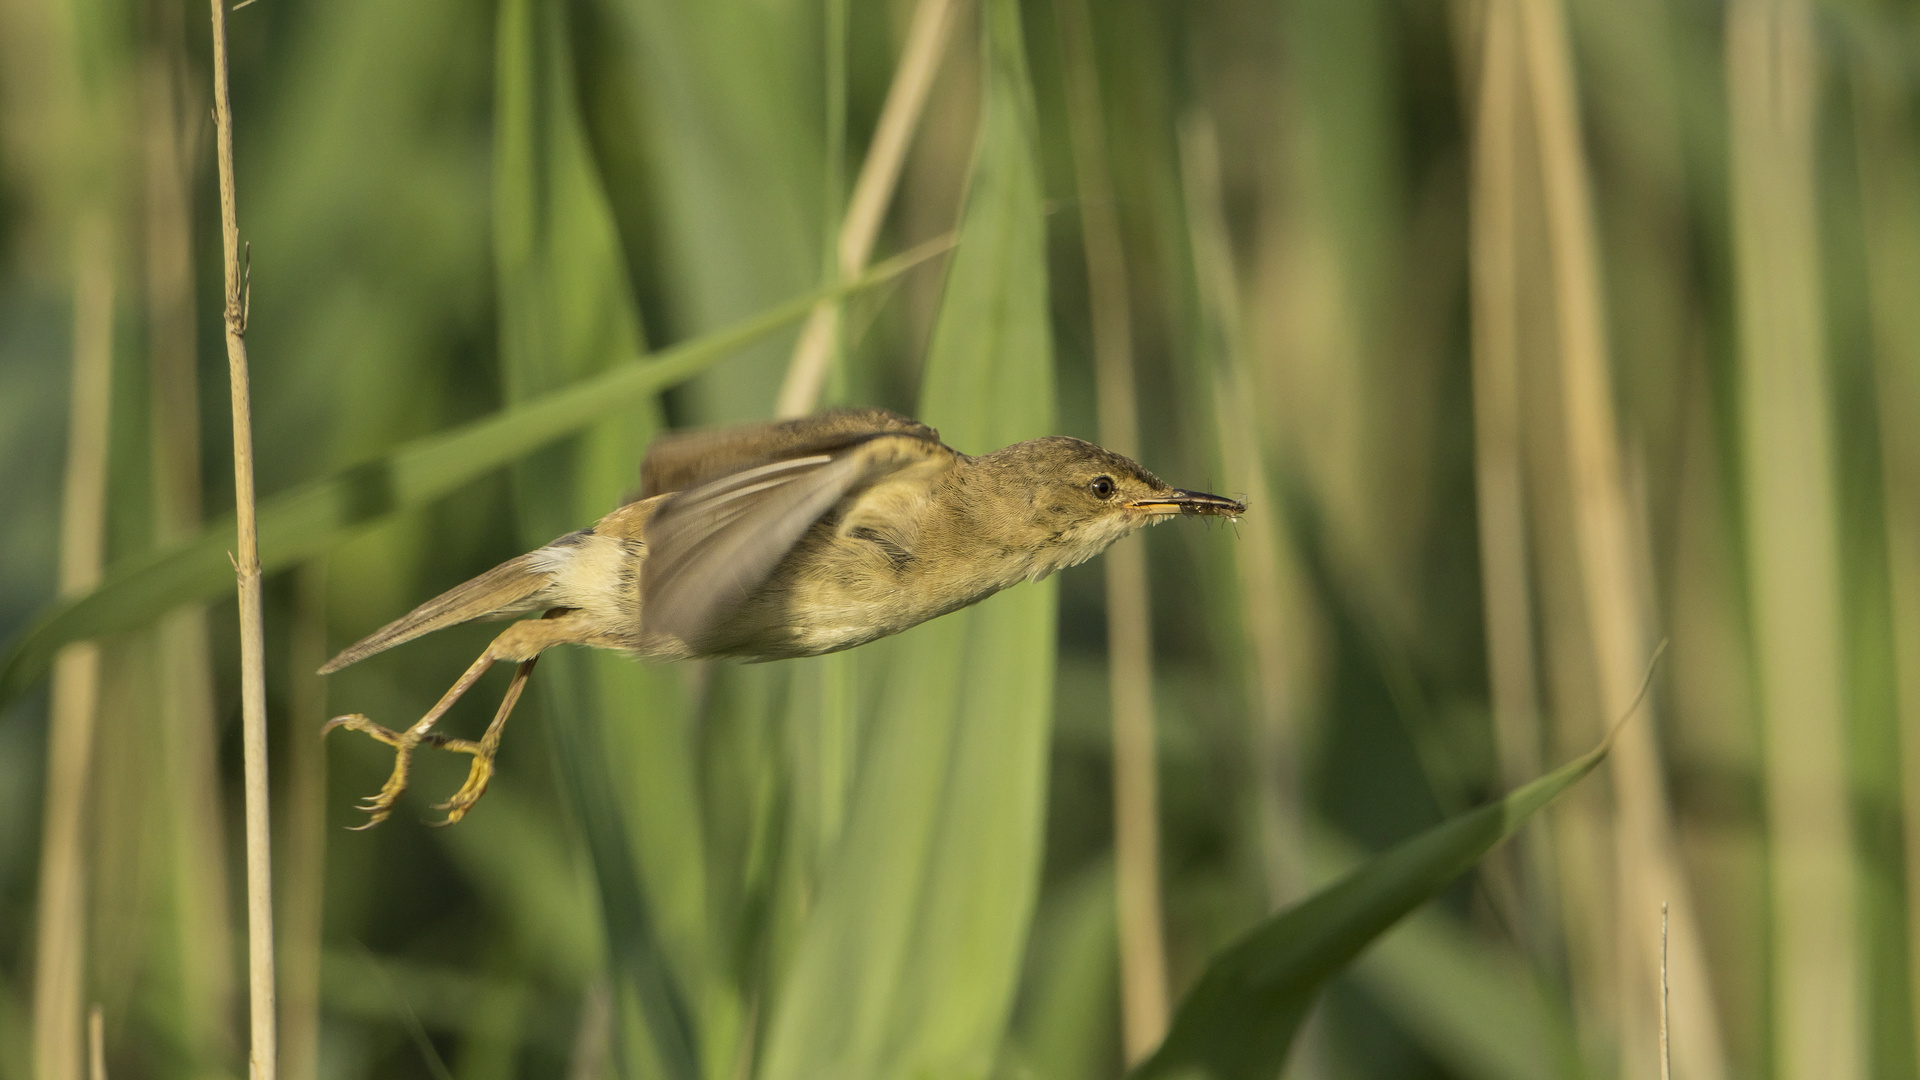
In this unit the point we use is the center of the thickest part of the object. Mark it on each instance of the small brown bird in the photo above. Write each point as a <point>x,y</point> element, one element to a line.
<point>778,540</point>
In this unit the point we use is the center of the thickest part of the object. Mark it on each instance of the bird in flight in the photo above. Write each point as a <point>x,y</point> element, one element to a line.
<point>779,540</point>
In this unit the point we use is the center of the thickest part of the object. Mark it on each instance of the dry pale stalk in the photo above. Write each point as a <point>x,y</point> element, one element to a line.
<point>1616,583</point>
<point>1136,799</point>
<point>263,1057</point>
<point>1792,542</point>
<point>60,943</point>
<point>872,194</point>
<point>1496,403</point>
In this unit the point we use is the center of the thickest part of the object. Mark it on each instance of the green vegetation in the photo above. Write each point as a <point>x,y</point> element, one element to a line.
<point>1534,332</point>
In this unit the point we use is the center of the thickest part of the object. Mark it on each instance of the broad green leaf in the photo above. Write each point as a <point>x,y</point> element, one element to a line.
<point>1479,1009</point>
<point>908,964</point>
<point>1240,1019</point>
<point>314,516</point>
<point>566,313</point>
<point>724,166</point>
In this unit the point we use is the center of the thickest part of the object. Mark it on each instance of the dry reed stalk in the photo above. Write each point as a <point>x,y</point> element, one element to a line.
<point>187,738</point>
<point>1512,875</point>
<point>872,194</point>
<point>1889,172</point>
<point>263,1057</point>
<point>1792,542</point>
<point>1496,403</point>
<point>1616,582</point>
<point>60,940</point>
<point>304,874</point>
<point>1136,798</point>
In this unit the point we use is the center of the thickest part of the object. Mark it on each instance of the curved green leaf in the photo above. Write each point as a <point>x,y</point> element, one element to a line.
<point>1239,1020</point>
<point>316,515</point>
<point>908,963</point>
<point>618,729</point>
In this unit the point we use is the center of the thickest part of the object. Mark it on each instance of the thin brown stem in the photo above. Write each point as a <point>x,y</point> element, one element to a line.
<point>1666,1051</point>
<point>263,1058</point>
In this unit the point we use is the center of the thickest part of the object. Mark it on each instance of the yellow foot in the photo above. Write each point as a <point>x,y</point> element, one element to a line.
<point>478,774</point>
<point>403,743</point>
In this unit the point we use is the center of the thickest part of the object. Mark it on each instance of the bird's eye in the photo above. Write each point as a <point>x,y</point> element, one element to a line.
<point>1102,487</point>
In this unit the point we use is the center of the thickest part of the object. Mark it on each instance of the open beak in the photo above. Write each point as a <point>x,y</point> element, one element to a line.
<point>1191,503</point>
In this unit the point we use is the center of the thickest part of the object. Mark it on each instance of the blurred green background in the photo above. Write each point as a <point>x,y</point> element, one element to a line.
<point>1535,333</point>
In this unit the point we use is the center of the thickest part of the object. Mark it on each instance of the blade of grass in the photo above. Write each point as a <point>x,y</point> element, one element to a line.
<point>724,95</point>
<point>908,963</point>
<point>566,310</point>
<point>1239,1020</point>
<point>1476,1007</point>
<point>60,944</point>
<point>1792,547</point>
<point>316,515</point>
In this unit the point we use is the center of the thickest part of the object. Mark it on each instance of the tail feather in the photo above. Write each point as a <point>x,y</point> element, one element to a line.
<point>507,589</point>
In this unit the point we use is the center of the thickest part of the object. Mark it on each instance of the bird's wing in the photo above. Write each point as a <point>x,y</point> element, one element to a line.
<point>708,548</point>
<point>688,459</point>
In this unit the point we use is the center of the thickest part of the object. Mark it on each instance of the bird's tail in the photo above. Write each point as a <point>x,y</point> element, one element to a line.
<point>508,589</point>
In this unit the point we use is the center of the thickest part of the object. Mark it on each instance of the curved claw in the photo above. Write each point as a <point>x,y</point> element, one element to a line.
<point>380,805</point>
<point>478,775</point>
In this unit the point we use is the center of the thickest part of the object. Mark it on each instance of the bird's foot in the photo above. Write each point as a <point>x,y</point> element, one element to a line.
<point>379,806</point>
<point>478,774</point>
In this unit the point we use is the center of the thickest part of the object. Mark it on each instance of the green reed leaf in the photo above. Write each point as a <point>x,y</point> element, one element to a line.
<point>909,963</point>
<point>619,730</point>
<point>1239,1021</point>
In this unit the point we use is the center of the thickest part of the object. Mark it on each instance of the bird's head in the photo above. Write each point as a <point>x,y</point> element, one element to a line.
<point>1067,500</point>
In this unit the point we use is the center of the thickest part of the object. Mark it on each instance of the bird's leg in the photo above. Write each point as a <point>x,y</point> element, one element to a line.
<point>522,642</point>
<point>481,770</point>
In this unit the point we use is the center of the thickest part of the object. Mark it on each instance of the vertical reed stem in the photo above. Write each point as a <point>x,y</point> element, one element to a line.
<point>1136,800</point>
<point>1616,582</point>
<point>263,1059</point>
<point>1793,553</point>
<point>60,943</point>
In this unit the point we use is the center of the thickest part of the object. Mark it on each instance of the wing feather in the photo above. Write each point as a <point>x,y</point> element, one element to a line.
<point>688,459</point>
<point>710,547</point>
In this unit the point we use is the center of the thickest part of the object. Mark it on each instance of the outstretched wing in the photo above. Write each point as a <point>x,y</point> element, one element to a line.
<point>689,459</point>
<point>709,547</point>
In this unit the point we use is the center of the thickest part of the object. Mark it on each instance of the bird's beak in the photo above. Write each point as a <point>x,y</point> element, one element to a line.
<point>1191,503</point>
